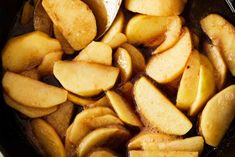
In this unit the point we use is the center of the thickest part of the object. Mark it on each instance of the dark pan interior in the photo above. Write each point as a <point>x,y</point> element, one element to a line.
<point>12,141</point>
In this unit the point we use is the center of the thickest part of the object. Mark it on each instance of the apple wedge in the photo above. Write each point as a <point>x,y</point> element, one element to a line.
<point>102,152</point>
<point>168,66</point>
<point>214,55</point>
<point>222,34</point>
<point>123,61</point>
<point>206,86</point>
<point>74,20</point>
<point>157,153</point>
<point>48,139</point>
<point>33,74</point>
<point>158,111</point>
<point>189,82</point>
<point>60,119</point>
<point>32,93</point>
<point>102,136</point>
<point>117,40</point>
<point>48,61</point>
<point>79,101</point>
<point>137,58</point>
<point>70,148</point>
<point>123,109</point>
<point>105,120</point>
<point>85,79</point>
<point>81,122</point>
<point>147,139</point>
<point>27,51</point>
<point>217,116</point>
<point>30,112</point>
<point>96,52</point>
<point>156,7</point>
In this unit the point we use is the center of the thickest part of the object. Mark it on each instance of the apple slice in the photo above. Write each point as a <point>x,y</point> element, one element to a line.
<point>102,152</point>
<point>104,101</point>
<point>137,58</point>
<point>81,122</point>
<point>105,120</point>
<point>217,116</point>
<point>157,153</point>
<point>48,139</point>
<point>85,79</point>
<point>214,55</point>
<point>96,52</point>
<point>168,66</point>
<point>156,7</point>
<point>117,40</point>
<point>123,61</point>
<point>74,20</point>
<point>158,111</point>
<point>189,83</point>
<point>206,86</point>
<point>60,119</point>
<point>79,101</point>
<point>222,34</point>
<point>32,93</point>
<point>147,139</point>
<point>31,112</point>
<point>123,109</point>
<point>70,148</point>
<point>101,136</point>
<point>27,51</point>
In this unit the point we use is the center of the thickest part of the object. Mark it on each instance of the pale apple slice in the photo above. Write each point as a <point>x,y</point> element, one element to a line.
<point>158,111</point>
<point>117,40</point>
<point>33,74</point>
<point>189,83</point>
<point>217,116</point>
<point>214,55</point>
<point>123,61</point>
<point>27,51</point>
<point>32,93</point>
<point>206,86</point>
<point>31,112</point>
<point>168,66</point>
<point>116,27</point>
<point>70,148</point>
<point>85,79</point>
<point>157,153</point>
<point>147,139</point>
<point>102,152</point>
<point>123,109</point>
<point>104,101</point>
<point>74,20</point>
<point>48,61</point>
<point>156,7</point>
<point>60,119</point>
<point>105,120</point>
<point>48,139</point>
<point>100,137</point>
<point>137,57</point>
<point>79,101</point>
<point>96,52</point>
<point>192,144</point>
<point>222,34</point>
<point>80,125</point>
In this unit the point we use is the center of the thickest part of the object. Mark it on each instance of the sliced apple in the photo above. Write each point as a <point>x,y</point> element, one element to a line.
<point>214,55</point>
<point>147,139</point>
<point>189,83</point>
<point>156,7</point>
<point>48,139</point>
<point>32,93</point>
<point>74,20</point>
<point>158,111</point>
<point>116,27</point>
<point>137,57</point>
<point>101,136</point>
<point>33,74</point>
<point>157,153</point>
<point>217,116</point>
<point>27,51</point>
<point>105,120</point>
<point>70,148</point>
<point>47,64</point>
<point>80,125</point>
<point>222,34</point>
<point>96,52</point>
<point>85,79</point>
<point>168,66</point>
<point>123,109</point>
<point>31,112</point>
<point>102,152</point>
<point>79,101</point>
<point>123,61</point>
<point>117,40</point>
<point>206,86</point>
<point>104,101</point>
<point>60,119</point>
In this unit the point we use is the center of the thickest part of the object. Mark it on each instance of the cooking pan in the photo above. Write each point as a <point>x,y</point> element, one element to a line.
<point>12,140</point>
